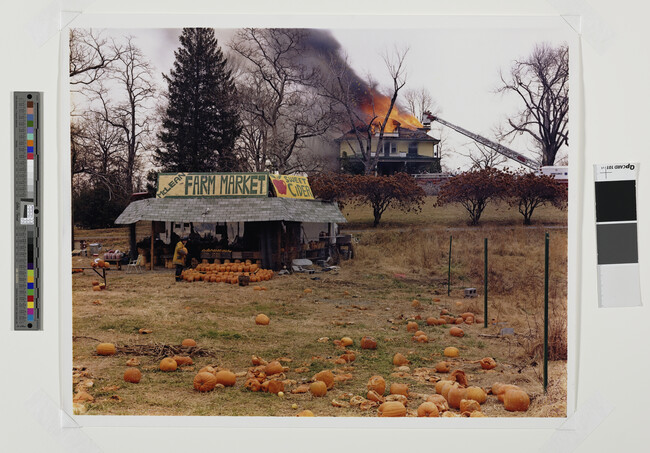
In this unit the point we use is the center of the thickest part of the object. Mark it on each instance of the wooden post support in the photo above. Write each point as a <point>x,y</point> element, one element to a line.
<point>152,234</point>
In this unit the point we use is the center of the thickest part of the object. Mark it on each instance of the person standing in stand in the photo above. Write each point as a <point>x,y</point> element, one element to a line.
<point>180,252</point>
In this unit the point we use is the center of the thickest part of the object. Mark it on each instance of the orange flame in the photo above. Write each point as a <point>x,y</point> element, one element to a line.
<point>378,106</point>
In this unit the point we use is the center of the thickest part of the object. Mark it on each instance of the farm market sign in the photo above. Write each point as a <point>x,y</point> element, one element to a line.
<point>178,185</point>
<point>291,187</point>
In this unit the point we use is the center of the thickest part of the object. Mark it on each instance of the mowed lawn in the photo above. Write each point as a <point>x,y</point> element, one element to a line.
<point>374,294</point>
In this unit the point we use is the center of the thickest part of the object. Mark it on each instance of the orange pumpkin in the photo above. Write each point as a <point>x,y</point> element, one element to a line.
<point>443,367</point>
<point>273,367</point>
<point>440,384</point>
<point>132,375</point>
<point>262,320</point>
<point>188,342</point>
<point>168,364</point>
<point>431,321</point>
<point>450,352</point>
<point>346,341</point>
<point>318,388</point>
<point>204,381</point>
<point>428,409</point>
<point>439,401</point>
<point>399,389</point>
<point>275,386</point>
<point>488,363</point>
<point>252,384</point>
<point>477,394</point>
<point>368,343</point>
<point>455,395</point>
<point>392,409</point>
<point>208,369</point>
<point>327,377</point>
<point>305,413</point>
<point>516,400</point>
<point>378,384</point>
<point>456,332</point>
<point>183,360</point>
<point>399,359</point>
<point>374,396</point>
<point>411,326</point>
<point>226,378</point>
<point>106,349</point>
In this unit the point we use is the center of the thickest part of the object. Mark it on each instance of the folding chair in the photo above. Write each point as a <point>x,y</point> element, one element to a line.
<point>135,265</point>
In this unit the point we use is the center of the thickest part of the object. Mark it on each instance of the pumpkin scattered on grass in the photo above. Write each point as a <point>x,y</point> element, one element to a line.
<point>451,352</point>
<point>399,359</point>
<point>346,341</point>
<point>443,367</point>
<point>428,409</point>
<point>226,378</point>
<point>516,400</point>
<point>106,349</point>
<point>378,384</point>
<point>501,392</point>
<point>374,396</point>
<point>455,395</point>
<point>488,363</point>
<point>168,364</point>
<point>411,326</point>
<point>273,367</point>
<point>468,405</point>
<point>262,320</point>
<point>368,343</point>
<point>327,377</point>
<point>188,342</point>
<point>318,388</point>
<point>477,394</point>
<point>440,384</point>
<point>456,332</point>
<point>183,360</point>
<point>205,381</point>
<point>132,375</point>
<point>440,402</point>
<point>208,369</point>
<point>392,409</point>
<point>275,386</point>
<point>399,389</point>
<point>305,413</point>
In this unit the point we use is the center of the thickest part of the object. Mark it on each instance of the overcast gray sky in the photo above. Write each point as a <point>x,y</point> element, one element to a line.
<point>459,66</point>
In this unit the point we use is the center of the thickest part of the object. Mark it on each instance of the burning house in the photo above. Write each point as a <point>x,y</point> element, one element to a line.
<point>405,146</point>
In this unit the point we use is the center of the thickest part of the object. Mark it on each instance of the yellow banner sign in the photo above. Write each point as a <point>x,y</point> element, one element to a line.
<point>212,185</point>
<point>291,187</point>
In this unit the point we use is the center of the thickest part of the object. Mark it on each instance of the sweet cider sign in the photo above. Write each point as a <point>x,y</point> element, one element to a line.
<point>290,186</point>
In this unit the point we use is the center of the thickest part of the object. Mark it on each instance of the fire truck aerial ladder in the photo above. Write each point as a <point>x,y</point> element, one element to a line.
<point>514,155</point>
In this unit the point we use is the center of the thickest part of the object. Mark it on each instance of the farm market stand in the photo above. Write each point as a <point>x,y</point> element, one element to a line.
<point>230,220</point>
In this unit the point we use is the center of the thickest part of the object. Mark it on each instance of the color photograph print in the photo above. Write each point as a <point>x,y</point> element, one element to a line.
<point>319,221</point>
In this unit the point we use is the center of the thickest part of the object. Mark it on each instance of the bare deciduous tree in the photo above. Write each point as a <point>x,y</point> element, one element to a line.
<point>541,81</point>
<point>281,103</point>
<point>365,110</point>
<point>483,157</point>
<point>419,101</point>
<point>90,56</point>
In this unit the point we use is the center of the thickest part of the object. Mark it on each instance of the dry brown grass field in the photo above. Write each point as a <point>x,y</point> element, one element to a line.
<point>372,295</point>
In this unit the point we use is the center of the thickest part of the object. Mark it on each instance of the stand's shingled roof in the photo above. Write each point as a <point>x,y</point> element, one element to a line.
<point>213,210</point>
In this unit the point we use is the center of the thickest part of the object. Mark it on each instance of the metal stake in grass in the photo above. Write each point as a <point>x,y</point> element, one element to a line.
<point>449,269</point>
<point>546,313</point>
<point>485,289</point>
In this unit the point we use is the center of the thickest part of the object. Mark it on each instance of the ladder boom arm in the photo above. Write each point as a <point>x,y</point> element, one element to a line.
<point>514,155</point>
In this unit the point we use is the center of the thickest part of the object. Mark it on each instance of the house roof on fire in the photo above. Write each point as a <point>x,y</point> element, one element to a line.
<point>404,133</point>
<point>214,210</point>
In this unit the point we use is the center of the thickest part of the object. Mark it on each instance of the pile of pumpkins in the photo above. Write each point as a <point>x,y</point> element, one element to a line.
<point>226,272</point>
<point>100,263</point>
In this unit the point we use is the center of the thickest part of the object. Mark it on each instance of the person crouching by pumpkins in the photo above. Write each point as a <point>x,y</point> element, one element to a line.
<point>180,252</point>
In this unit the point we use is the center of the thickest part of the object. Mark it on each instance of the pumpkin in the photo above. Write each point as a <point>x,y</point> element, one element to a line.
<point>419,333</point>
<point>442,367</point>
<point>477,394</point>
<point>305,413</point>
<point>399,389</point>
<point>256,288</point>
<point>415,303</point>
<point>252,384</point>
<point>469,406</point>
<point>183,360</point>
<point>411,326</point>
<point>488,363</point>
<point>106,349</point>
<point>501,393</point>
<point>439,401</point>
<point>447,387</point>
<point>477,414</point>
<point>449,414</point>
<point>391,409</point>
<point>459,376</point>
<point>431,321</point>
<point>444,311</point>
<point>132,362</point>
<point>346,341</point>
<point>466,315</point>
<point>275,386</point>
<point>132,375</point>
<point>459,320</point>
<point>318,388</point>
<point>273,367</point>
<point>262,320</point>
<point>440,384</point>
<point>168,364</point>
<point>456,332</point>
<point>399,359</point>
<point>478,320</point>
<point>348,357</point>
<point>455,395</point>
<point>226,378</point>
<point>208,369</point>
<point>368,343</point>
<point>374,396</point>
<point>307,290</point>
<point>188,342</point>
<point>327,377</point>
<point>204,381</point>
<point>421,338</point>
<point>516,400</point>
<point>378,384</point>
<point>469,320</point>
<point>451,352</point>
<point>96,288</point>
<point>428,409</point>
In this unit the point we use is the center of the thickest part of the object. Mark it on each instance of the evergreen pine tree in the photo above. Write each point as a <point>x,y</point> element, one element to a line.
<point>201,123</point>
